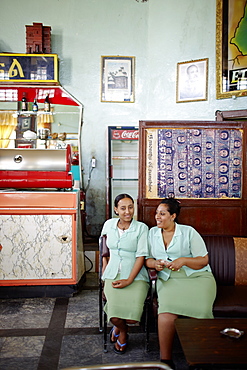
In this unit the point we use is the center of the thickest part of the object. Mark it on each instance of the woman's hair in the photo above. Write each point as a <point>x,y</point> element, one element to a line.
<point>173,206</point>
<point>121,196</point>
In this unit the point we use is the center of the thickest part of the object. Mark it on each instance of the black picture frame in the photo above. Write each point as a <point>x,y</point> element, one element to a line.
<point>25,123</point>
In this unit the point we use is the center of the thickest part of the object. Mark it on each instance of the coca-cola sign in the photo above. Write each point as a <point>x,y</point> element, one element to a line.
<point>125,134</point>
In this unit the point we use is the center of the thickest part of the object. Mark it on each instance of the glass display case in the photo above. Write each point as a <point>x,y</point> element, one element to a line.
<point>39,128</point>
<point>39,152</point>
<point>122,164</point>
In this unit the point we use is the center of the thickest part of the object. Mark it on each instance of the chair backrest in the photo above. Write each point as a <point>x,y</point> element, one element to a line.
<point>104,250</point>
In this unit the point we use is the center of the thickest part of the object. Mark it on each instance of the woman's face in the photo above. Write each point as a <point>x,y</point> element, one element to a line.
<point>125,209</point>
<point>163,217</point>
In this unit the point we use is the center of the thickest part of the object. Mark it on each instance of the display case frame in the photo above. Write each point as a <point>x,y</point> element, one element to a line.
<point>121,164</point>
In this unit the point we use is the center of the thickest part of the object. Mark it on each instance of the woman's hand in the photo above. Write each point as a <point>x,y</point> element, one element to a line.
<point>195,263</point>
<point>159,265</point>
<point>176,264</point>
<point>121,283</point>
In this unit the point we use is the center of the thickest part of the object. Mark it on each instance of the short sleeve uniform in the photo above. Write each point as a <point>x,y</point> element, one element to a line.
<point>186,292</point>
<point>124,249</point>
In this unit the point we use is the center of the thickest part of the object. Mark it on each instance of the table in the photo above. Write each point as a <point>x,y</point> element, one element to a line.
<point>203,344</point>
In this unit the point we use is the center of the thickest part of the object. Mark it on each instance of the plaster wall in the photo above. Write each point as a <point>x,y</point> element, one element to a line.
<point>159,33</point>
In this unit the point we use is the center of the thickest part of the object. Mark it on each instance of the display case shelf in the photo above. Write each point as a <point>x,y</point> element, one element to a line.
<point>125,157</point>
<point>124,179</point>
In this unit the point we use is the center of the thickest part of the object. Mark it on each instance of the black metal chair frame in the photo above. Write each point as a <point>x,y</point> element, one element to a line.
<point>104,252</point>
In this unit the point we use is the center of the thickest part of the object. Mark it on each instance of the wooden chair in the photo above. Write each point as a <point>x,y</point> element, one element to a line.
<point>104,252</point>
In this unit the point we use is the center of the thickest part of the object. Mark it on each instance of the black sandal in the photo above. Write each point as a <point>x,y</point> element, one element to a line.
<point>119,351</point>
<point>112,332</point>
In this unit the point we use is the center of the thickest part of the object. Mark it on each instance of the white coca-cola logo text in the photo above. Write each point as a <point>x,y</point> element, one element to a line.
<point>126,135</point>
<point>130,134</point>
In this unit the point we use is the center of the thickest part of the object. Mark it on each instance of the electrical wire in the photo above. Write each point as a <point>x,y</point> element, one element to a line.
<point>91,263</point>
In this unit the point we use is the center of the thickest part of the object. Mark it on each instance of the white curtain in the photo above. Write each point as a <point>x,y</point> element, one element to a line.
<point>8,122</point>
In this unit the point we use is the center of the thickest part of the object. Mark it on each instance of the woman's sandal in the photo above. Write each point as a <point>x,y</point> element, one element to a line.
<point>112,333</point>
<point>120,351</point>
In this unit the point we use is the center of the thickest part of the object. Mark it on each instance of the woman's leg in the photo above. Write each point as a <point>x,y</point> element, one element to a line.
<point>121,328</point>
<point>166,331</point>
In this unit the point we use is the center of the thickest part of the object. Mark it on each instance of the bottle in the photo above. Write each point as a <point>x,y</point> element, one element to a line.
<point>24,103</point>
<point>47,104</point>
<point>35,106</point>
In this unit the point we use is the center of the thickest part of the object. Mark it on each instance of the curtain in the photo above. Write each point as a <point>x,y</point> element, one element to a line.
<point>44,120</point>
<point>8,122</point>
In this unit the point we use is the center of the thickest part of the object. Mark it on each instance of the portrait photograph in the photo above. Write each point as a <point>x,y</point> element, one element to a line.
<point>192,80</point>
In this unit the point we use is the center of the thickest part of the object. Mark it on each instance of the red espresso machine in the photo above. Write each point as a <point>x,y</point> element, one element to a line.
<point>36,168</point>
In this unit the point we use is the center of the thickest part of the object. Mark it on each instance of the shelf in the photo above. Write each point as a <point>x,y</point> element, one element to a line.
<point>124,157</point>
<point>30,112</point>
<point>124,179</point>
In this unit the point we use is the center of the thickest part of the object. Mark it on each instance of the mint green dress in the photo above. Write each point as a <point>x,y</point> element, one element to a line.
<point>126,303</point>
<point>186,292</point>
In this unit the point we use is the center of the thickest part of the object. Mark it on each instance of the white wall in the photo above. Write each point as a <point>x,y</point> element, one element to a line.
<point>159,33</point>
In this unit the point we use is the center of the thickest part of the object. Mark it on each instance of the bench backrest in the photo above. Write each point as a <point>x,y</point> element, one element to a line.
<point>228,259</point>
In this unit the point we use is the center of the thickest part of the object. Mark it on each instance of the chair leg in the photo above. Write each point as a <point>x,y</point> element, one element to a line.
<point>147,326</point>
<point>105,332</point>
<point>100,310</point>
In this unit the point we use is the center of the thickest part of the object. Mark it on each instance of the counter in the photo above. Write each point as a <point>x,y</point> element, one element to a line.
<point>41,242</point>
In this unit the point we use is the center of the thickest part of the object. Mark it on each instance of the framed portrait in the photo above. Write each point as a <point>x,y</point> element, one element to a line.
<point>192,80</point>
<point>117,79</point>
<point>231,48</point>
<point>25,123</point>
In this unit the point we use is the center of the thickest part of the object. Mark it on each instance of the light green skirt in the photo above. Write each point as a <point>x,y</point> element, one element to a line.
<point>191,296</point>
<point>126,303</point>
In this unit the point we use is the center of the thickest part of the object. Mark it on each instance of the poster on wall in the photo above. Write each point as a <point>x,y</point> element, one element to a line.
<point>117,79</point>
<point>194,163</point>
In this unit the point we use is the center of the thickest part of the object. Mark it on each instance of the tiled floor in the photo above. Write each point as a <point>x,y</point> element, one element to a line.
<point>56,333</point>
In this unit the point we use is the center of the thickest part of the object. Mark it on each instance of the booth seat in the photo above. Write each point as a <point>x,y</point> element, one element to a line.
<point>228,260</point>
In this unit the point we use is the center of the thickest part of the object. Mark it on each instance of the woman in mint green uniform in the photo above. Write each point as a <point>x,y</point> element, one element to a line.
<point>124,275</point>
<point>185,285</point>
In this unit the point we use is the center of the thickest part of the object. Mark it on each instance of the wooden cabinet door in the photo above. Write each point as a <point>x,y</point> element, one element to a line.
<point>35,247</point>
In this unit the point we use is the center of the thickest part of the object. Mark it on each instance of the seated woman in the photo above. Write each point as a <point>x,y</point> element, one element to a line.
<point>185,285</point>
<point>125,277</point>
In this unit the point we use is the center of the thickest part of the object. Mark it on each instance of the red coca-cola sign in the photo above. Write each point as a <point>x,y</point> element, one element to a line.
<point>125,134</point>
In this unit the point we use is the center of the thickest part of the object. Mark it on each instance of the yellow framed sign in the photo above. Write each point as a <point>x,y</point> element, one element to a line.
<point>231,48</point>
<point>31,68</point>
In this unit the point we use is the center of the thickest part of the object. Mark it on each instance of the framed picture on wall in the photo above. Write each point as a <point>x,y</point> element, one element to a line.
<point>117,79</point>
<point>231,48</point>
<point>25,123</point>
<point>192,81</point>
